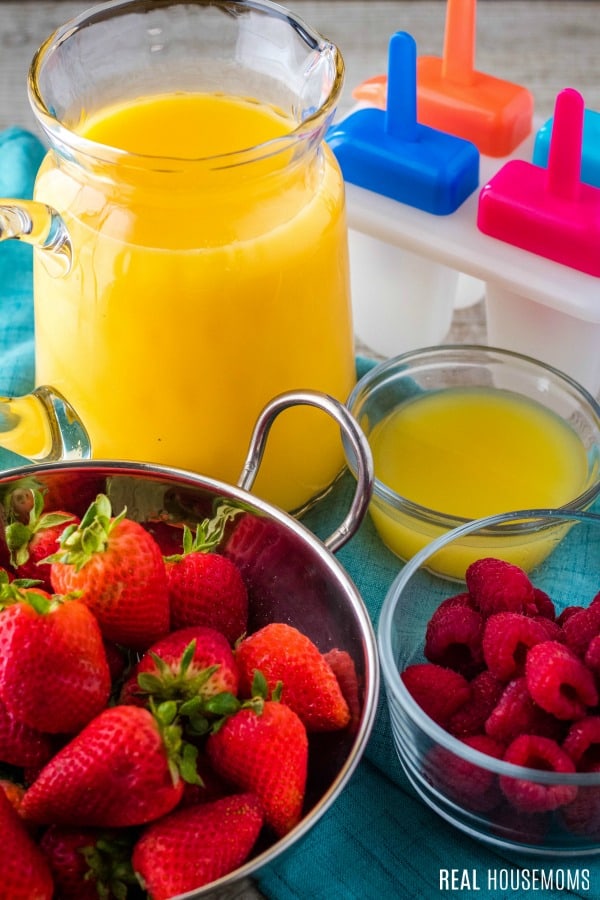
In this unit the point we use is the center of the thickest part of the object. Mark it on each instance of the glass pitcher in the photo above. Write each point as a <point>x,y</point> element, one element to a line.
<point>190,237</point>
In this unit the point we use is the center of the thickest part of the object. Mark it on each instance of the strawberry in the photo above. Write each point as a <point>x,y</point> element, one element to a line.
<point>205,587</point>
<point>87,863</point>
<point>67,489</point>
<point>191,662</point>
<point>191,847</point>
<point>29,544</point>
<point>21,745</point>
<point>53,671</point>
<point>25,872</point>
<point>118,661</point>
<point>124,768</point>
<point>283,654</point>
<point>263,748</point>
<point>119,570</point>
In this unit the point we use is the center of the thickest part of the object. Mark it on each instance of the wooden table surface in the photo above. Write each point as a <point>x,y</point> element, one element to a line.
<point>544,45</point>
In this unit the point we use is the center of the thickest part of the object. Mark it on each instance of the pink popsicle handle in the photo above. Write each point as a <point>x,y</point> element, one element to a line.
<point>566,144</point>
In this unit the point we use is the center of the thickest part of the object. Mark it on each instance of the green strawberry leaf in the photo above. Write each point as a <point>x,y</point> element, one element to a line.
<point>260,688</point>
<point>22,590</point>
<point>223,704</point>
<point>19,536</point>
<point>178,683</point>
<point>79,543</point>
<point>109,866</point>
<point>209,533</point>
<point>181,754</point>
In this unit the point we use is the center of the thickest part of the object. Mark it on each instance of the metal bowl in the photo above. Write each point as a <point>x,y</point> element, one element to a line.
<point>291,576</point>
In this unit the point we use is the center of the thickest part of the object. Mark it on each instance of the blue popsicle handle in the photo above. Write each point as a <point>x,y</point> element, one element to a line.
<point>401,112</point>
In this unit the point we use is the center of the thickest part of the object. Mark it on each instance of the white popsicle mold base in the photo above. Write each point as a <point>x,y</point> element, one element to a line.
<point>409,269</point>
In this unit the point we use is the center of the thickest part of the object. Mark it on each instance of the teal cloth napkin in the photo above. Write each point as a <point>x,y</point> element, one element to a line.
<point>378,840</point>
<point>20,156</point>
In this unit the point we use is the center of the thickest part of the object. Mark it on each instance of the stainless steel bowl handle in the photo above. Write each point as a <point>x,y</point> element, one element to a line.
<point>352,431</point>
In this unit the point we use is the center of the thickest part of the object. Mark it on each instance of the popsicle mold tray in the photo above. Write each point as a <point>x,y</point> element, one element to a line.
<point>410,264</point>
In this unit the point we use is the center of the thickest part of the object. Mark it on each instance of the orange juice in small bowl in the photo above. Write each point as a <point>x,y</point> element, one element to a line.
<point>461,433</point>
<point>194,261</point>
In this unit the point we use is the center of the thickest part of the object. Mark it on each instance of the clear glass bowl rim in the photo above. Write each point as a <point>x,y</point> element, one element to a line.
<point>396,502</point>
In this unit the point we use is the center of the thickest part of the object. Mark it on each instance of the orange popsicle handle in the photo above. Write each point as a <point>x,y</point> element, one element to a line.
<point>458,59</point>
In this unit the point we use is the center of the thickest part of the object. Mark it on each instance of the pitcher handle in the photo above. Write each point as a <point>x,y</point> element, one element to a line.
<point>350,428</point>
<point>41,427</point>
<point>39,225</point>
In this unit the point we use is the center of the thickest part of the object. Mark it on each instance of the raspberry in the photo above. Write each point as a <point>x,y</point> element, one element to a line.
<point>342,665</point>
<point>463,599</point>
<point>559,681</point>
<point>506,639</point>
<point>582,743</point>
<point>536,752</point>
<point>566,613</point>
<point>580,627</point>
<point>526,828</point>
<point>592,655</point>
<point>453,639</point>
<point>553,630</point>
<point>498,586</point>
<point>516,713</point>
<point>463,781</point>
<point>582,815</point>
<point>438,691</point>
<point>544,604</point>
<point>470,718</point>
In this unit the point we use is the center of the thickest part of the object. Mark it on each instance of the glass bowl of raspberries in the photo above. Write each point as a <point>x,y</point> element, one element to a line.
<point>461,432</point>
<point>493,688</point>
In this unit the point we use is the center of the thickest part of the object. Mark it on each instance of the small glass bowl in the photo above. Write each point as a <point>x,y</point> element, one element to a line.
<point>464,786</point>
<point>406,526</point>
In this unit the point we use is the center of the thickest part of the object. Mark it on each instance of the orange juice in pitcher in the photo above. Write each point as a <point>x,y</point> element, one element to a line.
<point>200,220</point>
